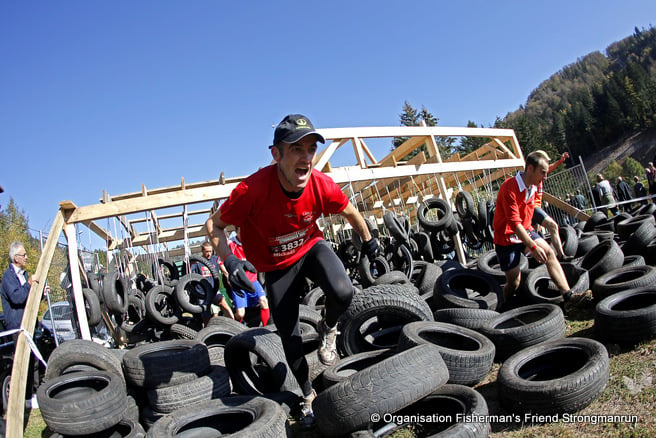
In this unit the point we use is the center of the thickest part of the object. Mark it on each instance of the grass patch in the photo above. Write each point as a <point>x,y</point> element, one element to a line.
<point>36,427</point>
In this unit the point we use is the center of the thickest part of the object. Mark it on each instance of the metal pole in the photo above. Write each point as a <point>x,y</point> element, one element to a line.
<point>587,182</point>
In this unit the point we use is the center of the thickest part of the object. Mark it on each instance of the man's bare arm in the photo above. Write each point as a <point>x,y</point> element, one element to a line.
<point>215,228</point>
<point>356,220</point>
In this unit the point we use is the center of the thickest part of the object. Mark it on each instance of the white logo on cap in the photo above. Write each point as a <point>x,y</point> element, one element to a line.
<point>301,123</point>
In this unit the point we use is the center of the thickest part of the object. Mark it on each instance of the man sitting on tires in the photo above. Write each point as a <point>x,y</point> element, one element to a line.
<point>514,234</point>
<point>277,209</point>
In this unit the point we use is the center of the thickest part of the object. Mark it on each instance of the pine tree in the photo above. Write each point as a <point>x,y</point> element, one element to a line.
<point>409,117</point>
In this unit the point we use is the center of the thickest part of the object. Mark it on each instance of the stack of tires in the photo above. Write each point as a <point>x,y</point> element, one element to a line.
<point>419,336</point>
<point>169,307</point>
<point>436,218</point>
<point>84,393</point>
<point>476,221</point>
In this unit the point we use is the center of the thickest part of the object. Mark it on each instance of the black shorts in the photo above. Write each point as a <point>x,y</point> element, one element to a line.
<point>508,255</point>
<point>539,215</point>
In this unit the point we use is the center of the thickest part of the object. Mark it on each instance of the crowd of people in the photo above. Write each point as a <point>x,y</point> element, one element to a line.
<point>620,197</point>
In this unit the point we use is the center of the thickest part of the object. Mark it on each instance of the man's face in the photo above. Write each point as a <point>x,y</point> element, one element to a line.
<point>207,252</point>
<point>295,162</point>
<point>537,174</point>
<point>21,258</point>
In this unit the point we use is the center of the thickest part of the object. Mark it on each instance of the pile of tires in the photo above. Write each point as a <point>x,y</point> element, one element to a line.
<point>419,336</point>
<point>168,306</point>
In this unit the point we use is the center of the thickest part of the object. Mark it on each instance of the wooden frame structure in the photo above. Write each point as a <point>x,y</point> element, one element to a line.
<point>373,185</point>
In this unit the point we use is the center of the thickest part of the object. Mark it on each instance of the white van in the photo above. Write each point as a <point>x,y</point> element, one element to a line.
<point>62,314</point>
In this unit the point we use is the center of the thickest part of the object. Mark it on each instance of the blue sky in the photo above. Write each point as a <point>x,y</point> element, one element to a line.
<point>111,95</point>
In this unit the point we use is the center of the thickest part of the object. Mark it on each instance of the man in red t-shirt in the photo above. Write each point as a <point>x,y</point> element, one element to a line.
<point>514,234</point>
<point>277,208</point>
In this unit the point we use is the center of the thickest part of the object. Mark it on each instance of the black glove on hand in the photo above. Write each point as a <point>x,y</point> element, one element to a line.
<point>237,276</point>
<point>371,249</point>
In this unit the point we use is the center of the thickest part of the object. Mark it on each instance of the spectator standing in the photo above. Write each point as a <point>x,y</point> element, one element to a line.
<point>16,284</point>
<point>650,171</point>
<point>199,268</point>
<point>514,234</point>
<point>243,298</point>
<point>277,208</point>
<point>606,192</point>
<point>579,200</point>
<point>639,189</point>
<point>623,191</point>
<point>597,198</point>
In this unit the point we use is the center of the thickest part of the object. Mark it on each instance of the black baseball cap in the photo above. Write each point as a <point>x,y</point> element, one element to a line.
<point>293,128</point>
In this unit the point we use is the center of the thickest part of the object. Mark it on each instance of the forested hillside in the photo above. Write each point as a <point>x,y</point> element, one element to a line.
<point>595,102</point>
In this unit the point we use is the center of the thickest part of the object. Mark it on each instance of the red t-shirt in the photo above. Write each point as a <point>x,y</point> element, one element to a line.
<point>277,231</point>
<point>515,205</point>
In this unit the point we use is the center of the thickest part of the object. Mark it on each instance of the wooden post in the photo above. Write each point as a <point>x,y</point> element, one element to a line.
<point>20,368</point>
<point>78,297</point>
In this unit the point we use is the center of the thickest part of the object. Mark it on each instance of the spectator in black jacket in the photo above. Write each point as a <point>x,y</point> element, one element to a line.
<point>639,190</point>
<point>623,193</point>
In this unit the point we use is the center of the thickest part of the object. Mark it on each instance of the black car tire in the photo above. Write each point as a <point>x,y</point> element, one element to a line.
<point>522,327</point>
<point>82,352</point>
<point>468,355</point>
<point>246,416</point>
<point>257,365</point>
<point>627,317</point>
<point>387,386</point>
<point>559,376</point>
<point>375,316</point>
<point>81,403</point>
<point>165,363</point>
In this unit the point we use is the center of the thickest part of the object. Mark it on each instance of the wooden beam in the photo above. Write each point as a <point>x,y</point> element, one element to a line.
<point>323,158</point>
<point>151,202</point>
<point>359,155</point>
<point>414,131</point>
<point>170,189</point>
<point>206,211</point>
<point>169,235</point>
<point>404,149</point>
<point>504,148</point>
<point>564,206</point>
<point>367,152</point>
<point>354,173</point>
<point>127,225</point>
<point>100,231</point>
<point>20,368</point>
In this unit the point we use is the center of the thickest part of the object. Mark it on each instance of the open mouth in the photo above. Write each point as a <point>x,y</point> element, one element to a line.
<point>302,172</point>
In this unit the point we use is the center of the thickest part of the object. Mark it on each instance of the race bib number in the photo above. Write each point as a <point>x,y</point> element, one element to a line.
<point>284,246</point>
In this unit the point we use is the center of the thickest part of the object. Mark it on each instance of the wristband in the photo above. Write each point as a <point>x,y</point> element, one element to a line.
<point>533,248</point>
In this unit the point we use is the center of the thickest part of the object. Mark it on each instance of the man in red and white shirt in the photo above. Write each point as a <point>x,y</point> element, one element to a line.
<point>514,234</point>
<point>277,208</point>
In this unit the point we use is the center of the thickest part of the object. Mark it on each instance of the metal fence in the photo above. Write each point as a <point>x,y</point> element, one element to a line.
<point>565,185</point>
